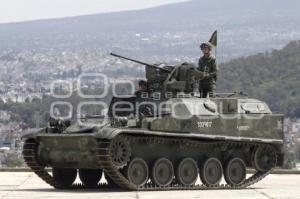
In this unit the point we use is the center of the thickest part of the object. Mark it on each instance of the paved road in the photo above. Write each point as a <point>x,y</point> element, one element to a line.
<point>23,185</point>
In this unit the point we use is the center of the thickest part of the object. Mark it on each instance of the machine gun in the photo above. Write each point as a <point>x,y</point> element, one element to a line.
<point>142,63</point>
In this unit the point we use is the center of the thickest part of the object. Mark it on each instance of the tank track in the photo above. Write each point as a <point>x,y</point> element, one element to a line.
<point>114,173</point>
<point>105,160</point>
<point>29,155</point>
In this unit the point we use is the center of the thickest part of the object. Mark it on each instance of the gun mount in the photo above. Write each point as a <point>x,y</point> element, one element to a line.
<point>183,78</point>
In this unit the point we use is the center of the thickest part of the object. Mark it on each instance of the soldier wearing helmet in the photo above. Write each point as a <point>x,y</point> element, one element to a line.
<point>207,64</point>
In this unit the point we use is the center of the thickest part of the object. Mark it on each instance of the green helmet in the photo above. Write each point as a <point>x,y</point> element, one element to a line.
<point>206,45</point>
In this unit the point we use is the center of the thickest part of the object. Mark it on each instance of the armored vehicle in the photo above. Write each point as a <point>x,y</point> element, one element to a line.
<point>162,144</point>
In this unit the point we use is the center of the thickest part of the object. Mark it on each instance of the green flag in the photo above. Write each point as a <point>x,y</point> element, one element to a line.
<point>213,39</point>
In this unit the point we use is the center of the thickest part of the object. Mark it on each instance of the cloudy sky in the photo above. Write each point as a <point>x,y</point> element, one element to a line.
<point>24,10</point>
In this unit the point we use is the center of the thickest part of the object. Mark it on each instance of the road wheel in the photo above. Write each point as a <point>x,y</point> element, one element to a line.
<point>211,172</point>
<point>162,172</point>
<point>138,172</point>
<point>235,171</point>
<point>264,159</point>
<point>187,172</point>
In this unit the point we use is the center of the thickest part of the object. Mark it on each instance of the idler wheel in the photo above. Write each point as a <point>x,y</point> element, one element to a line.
<point>211,172</point>
<point>120,151</point>
<point>90,177</point>
<point>63,178</point>
<point>162,172</point>
<point>235,172</point>
<point>138,172</point>
<point>187,172</point>
<point>264,159</point>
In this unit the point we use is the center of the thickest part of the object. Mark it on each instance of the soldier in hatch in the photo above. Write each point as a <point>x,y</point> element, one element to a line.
<point>142,91</point>
<point>207,64</point>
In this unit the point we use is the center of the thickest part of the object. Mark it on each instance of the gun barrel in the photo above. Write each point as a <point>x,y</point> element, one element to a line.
<point>140,62</point>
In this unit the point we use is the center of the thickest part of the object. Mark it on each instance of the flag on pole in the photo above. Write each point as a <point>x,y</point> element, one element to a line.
<point>213,39</point>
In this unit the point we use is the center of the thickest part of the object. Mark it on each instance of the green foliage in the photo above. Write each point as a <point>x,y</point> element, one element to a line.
<point>272,76</point>
<point>36,113</point>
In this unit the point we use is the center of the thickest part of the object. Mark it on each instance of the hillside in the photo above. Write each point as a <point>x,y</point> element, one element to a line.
<point>272,76</point>
<point>245,27</point>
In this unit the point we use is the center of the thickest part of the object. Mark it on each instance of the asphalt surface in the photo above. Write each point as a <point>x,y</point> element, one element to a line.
<point>23,185</point>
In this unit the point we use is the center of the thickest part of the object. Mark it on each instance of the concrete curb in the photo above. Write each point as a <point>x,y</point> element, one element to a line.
<point>250,171</point>
<point>17,170</point>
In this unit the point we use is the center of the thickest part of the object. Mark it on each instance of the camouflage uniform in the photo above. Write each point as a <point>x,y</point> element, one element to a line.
<point>208,65</point>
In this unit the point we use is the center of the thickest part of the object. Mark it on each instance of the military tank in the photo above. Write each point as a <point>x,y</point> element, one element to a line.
<point>166,143</point>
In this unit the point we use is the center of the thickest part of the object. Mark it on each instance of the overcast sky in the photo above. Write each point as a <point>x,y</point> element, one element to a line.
<point>24,10</point>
